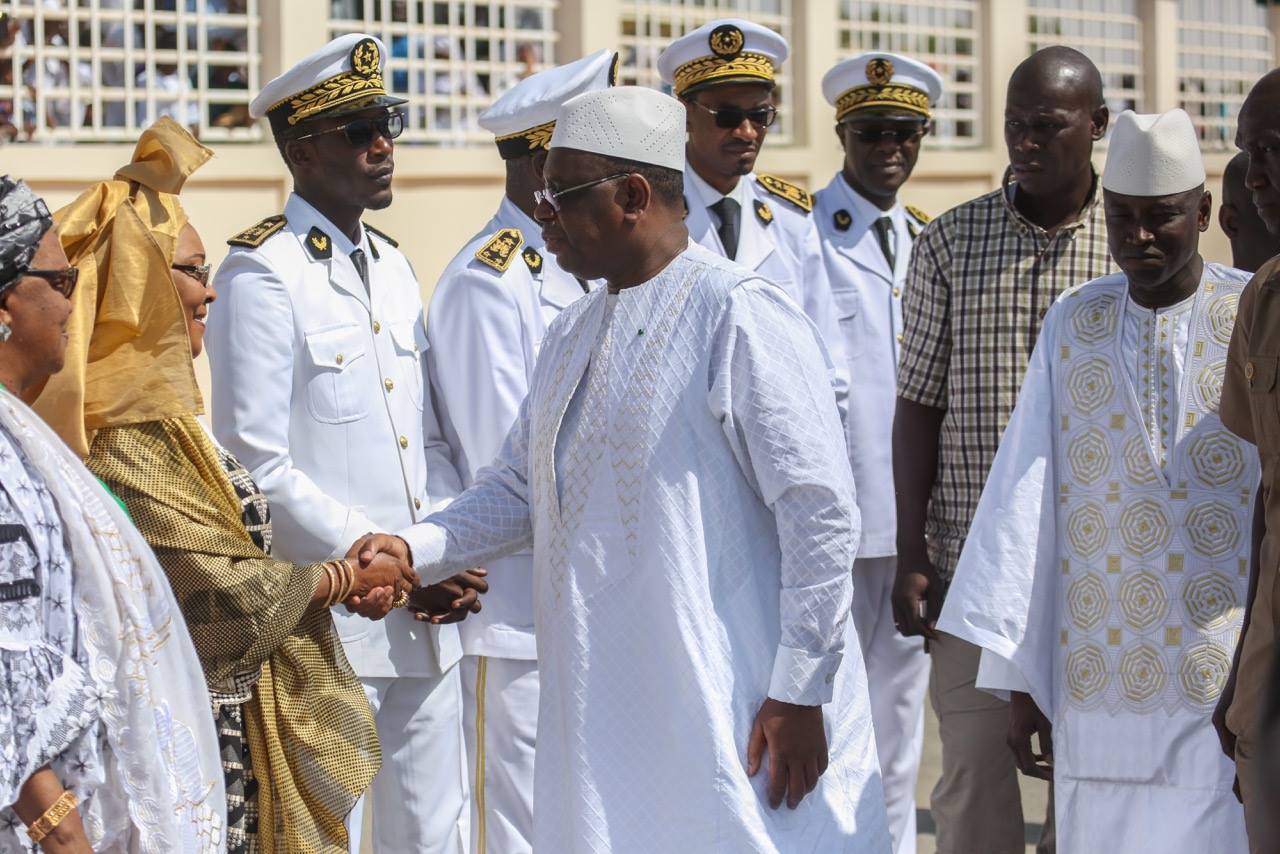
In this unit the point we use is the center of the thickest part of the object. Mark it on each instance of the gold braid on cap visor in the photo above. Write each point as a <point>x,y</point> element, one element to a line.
<point>894,95</point>
<point>324,96</point>
<point>514,145</point>
<point>705,68</point>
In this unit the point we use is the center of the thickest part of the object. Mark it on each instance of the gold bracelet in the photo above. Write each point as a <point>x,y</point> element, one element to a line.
<point>332,575</point>
<point>348,579</point>
<point>401,600</point>
<point>53,816</point>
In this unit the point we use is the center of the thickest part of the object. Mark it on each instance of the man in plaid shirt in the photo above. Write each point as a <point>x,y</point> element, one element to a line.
<point>982,277</point>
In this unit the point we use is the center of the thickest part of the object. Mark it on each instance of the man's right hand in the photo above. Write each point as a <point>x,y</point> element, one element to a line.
<point>1026,720</point>
<point>363,550</point>
<point>917,598</point>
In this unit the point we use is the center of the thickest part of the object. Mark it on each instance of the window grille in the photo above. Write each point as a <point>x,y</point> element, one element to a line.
<point>103,70</point>
<point>1109,32</point>
<point>646,27</point>
<point>1224,46</point>
<point>452,59</point>
<point>945,34</point>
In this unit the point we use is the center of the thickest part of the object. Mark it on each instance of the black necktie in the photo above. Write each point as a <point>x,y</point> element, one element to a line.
<point>730,213</point>
<point>884,232</point>
<point>362,267</point>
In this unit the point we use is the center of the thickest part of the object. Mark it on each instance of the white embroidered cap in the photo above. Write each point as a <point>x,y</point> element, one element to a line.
<point>523,118</point>
<point>630,122</point>
<point>729,50</point>
<point>1153,154</point>
<point>881,82</point>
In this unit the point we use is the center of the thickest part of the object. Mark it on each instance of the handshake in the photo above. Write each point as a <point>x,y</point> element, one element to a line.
<point>385,579</point>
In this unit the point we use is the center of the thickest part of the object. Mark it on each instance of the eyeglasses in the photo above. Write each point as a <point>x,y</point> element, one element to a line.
<point>732,117</point>
<point>553,197</point>
<point>900,135</point>
<point>199,272</point>
<point>360,133</point>
<point>62,281</point>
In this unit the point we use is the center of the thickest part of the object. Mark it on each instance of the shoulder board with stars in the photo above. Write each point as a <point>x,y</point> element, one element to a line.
<point>797,196</point>
<point>500,249</point>
<point>256,235</point>
<point>533,259</point>
<point>763,213</point>
<point>318,244</point>
<point>385,238</point>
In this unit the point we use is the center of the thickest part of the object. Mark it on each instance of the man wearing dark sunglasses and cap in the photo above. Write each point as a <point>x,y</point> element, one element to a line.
<point>883,108</point>
<point>723,72</point>
<point>317,367</point>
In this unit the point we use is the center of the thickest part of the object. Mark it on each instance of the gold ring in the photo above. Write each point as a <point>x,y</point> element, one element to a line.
<point>401,600</point>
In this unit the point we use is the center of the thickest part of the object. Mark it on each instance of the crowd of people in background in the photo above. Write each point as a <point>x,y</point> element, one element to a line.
<point>655,532</point>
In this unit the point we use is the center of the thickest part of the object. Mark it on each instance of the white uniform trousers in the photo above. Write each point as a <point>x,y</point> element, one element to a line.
<point>420,795</point>
<point>897,679</point>
<point>500,696</point>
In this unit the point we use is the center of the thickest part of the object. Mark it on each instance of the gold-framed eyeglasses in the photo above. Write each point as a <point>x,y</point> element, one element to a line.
<point>553,197</point>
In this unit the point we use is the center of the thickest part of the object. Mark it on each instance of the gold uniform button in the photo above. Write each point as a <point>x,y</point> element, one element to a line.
<point>404,441</point>
<point>388,384</point>
<point>897,292</point>
<point>899,337</point>
<point>338,359</point>
<point>417,504</point>
<point>377,327</point>
<point>1248,370</point>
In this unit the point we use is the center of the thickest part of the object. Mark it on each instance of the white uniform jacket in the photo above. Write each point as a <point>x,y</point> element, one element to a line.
<point>868,301</point>
<point>777,240</point>
<point>488,315</point>
<point>318,389</point>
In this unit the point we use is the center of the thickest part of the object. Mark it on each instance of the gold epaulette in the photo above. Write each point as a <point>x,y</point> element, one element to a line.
<point>798,196</point>
<point>500,249</point>
<point>920,216</point>
<point>385,237</point>
<point>256,235</point>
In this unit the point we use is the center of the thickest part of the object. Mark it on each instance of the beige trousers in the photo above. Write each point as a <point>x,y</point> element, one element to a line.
<point>976,803</point>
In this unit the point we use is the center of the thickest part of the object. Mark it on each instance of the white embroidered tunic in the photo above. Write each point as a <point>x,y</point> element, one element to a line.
<point>1107,565</point>
<point>679,467</point>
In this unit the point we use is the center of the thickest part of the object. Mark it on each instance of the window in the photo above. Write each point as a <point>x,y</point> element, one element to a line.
<point>942,33</point>
<point>105,69</point>
<point>452,59</point>
<point>1223,48</point>
<point>1107,31</point>
<point>646,27</point>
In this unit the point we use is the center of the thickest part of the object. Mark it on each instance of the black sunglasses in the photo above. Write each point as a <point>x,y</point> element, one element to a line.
<point>361,132</point>
<point>63,281</point>
<point>199,272</point>
<point>900,135</point>
<point>732,117</point>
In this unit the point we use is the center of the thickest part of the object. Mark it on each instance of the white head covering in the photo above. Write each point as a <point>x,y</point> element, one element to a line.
<point>523,118</point>
<point>1153,154</point>
<point>344,76</point>
<point>729,50</point>
<point>631,122</point>
<point>881,81</point>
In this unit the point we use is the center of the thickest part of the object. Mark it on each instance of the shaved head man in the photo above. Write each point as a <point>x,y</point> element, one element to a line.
<point>982,277</point>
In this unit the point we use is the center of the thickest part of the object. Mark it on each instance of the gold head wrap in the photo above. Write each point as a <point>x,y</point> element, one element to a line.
<point>129,354</point>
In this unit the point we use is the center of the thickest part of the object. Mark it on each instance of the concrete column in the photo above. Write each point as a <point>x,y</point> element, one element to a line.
<point>1273,24</point>
<point>586,26</point>
<point>813,52</point>
<point>294,28</point>
<point>1159,54</point>
<point>1004,45</point>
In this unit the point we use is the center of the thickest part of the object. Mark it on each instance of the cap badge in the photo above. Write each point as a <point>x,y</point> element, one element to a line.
<point>843,220</point>
<point>726,41</point>
<point>366,58</point>
<point>879,71</point>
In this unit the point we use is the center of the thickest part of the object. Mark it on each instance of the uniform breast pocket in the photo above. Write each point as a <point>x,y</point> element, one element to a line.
<point>849,314</point>
<point>411,348</point>
<point>340,377</point>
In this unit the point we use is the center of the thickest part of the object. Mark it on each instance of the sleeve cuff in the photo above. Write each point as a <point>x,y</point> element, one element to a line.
<point>427,542</point>
<point>803,678</point>
<point>999,676</point>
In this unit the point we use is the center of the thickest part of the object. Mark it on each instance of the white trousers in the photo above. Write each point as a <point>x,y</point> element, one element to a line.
<point>897,679</point>
<point>500,696</point>
<point>420,795</point>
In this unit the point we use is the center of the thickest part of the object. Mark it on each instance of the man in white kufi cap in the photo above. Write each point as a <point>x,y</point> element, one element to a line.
<point>679,470</point>
<point>488,315</point>
<point>883,104</point>
<point>318,390</point>
<point>1105,570</point>
<point>724,74</point>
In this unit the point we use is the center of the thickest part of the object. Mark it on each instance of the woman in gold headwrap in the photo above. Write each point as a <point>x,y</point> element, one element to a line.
<point>297,736</point>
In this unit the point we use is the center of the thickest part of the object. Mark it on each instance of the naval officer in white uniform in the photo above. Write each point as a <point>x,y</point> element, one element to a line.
<point>318,387</point>
<point>883,108</point>
<point>724,73</point>
<point>488,315</point>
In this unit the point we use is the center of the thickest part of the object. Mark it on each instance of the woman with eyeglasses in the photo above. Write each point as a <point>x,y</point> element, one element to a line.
<point>105,741</point>
<point>295,731</point>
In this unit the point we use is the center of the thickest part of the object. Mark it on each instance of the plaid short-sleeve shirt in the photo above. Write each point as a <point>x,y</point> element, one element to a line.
<point>981,279</point>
